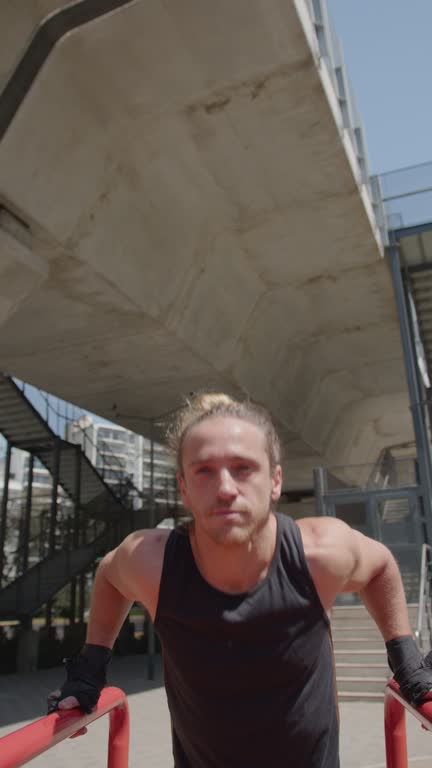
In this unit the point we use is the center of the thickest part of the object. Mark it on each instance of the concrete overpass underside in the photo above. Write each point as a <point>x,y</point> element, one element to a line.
<point>193,219</point>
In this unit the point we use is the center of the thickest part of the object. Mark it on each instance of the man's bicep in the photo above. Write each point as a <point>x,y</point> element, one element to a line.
<point>369,558</point>
<point>135,567</point>
<point>122,565</point>
<point>340,558</point>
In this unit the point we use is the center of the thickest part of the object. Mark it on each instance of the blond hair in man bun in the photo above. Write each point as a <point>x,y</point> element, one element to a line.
<point>206,405</point>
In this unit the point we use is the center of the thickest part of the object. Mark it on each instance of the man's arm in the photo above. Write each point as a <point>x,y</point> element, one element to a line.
<point>130,572</point>
<point>341,559</point>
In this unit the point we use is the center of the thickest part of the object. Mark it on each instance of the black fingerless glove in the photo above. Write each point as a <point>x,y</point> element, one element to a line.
<point>411,671</point>
<point>85,677</point>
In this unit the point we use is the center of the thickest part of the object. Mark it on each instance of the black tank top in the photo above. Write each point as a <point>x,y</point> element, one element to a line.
<point>249,677</point>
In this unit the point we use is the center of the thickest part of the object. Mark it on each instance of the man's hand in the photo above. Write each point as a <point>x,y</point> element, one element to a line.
<point>412,672</point>
<point>85,678</point>
<point>55,703</point>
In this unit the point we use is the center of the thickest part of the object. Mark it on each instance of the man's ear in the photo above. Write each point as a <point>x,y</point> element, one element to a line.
<point>276,483</point>
<point>182,488</point>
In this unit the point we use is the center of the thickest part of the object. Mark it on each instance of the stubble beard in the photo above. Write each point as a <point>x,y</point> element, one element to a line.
<point>233,533</point>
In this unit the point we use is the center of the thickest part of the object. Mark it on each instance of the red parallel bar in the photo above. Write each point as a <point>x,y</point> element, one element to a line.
<point>22,745</point>
<point>395,707</point>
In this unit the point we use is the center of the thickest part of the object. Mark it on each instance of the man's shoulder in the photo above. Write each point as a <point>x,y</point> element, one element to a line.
<point>136,565</point>
<point>327,551</point>
<point>146,541</point>
<point>317,530</point>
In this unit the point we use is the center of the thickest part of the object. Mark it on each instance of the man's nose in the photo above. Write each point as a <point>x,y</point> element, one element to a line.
<point>227,488</point>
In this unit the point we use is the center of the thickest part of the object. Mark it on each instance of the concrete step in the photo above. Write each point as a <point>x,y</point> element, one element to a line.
<point>360,696</point>
<point>352,621</point>
<point>358,614</point>
<point>360,656</point>
<point>375,669</point>
<point>356,684</point>
<point>358,643</point>
<point>346,631</point>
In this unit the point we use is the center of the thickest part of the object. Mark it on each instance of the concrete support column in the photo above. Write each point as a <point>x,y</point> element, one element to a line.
<point>28,647</point>
<point>4,507</point>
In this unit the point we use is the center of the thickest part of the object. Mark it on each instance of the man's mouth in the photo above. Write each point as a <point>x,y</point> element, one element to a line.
<point>226,511</point>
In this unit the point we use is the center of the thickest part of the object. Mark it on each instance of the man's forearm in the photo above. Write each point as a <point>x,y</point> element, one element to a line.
<point>384,597</point>
<point>108,610</point>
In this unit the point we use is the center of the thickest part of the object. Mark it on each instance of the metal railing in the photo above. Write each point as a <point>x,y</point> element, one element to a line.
<point>331,54</point>
<point>20,746</point>
<point>407,195</point>
<point>59,420</point>
<point>385,474</point>
<point>62,414</point>
<point>39,583</point>
<point>37,546</point>
<point>395,707</point>
<point>424,614</point>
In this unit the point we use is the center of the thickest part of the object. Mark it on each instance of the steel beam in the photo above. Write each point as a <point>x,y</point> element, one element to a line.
<point>152,516</point>
<point>77,498</point>
<point>54,492</point>
<point>414,387</point>
<point>4,507</point>
<point>27,515</point>
<point>81,598</point>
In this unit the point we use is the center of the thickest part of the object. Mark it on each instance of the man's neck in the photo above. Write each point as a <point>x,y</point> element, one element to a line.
<point>235,568</point>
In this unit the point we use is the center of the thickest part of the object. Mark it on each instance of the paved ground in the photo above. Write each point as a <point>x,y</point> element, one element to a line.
<point>22,700</point>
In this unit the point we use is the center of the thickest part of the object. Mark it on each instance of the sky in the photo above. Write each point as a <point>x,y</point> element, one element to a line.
<point>387,47</point>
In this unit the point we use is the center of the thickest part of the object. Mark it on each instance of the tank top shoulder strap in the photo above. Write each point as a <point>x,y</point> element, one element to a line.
<point>293,561</point>
<point>176,569</point>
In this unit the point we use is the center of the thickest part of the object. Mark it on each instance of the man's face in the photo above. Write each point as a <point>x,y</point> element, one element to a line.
<point>227,483</point>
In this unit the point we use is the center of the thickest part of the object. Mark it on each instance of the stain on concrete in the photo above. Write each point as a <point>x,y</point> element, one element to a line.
<point>257,88</point>
<point>251,89</point>
<point>328,277</point>
<point>217,106</point>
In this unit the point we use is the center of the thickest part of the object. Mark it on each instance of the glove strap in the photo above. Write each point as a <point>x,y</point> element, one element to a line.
<point>403,655</point>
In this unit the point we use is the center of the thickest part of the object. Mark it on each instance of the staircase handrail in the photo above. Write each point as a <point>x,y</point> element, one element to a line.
<point>92,547</point>
<point>22,745</point>
<point>424,592</point>
<point>50,407</point>
<point>124,477</point>
<point>41,536</point>
<point>51,435</point>
<point>16,551</point>
<point>395,726</point>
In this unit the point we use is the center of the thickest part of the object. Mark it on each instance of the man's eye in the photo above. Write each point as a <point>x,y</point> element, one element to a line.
<point>203,470</point>
<point>242,467</point>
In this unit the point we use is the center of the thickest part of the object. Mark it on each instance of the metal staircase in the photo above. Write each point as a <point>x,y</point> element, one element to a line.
<point>100,519</point>
<point>23,426</point>
<point>40,583</point>
<point>421,288</point>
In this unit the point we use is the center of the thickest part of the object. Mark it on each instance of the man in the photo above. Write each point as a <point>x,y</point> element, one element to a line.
<point>240,600</point>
